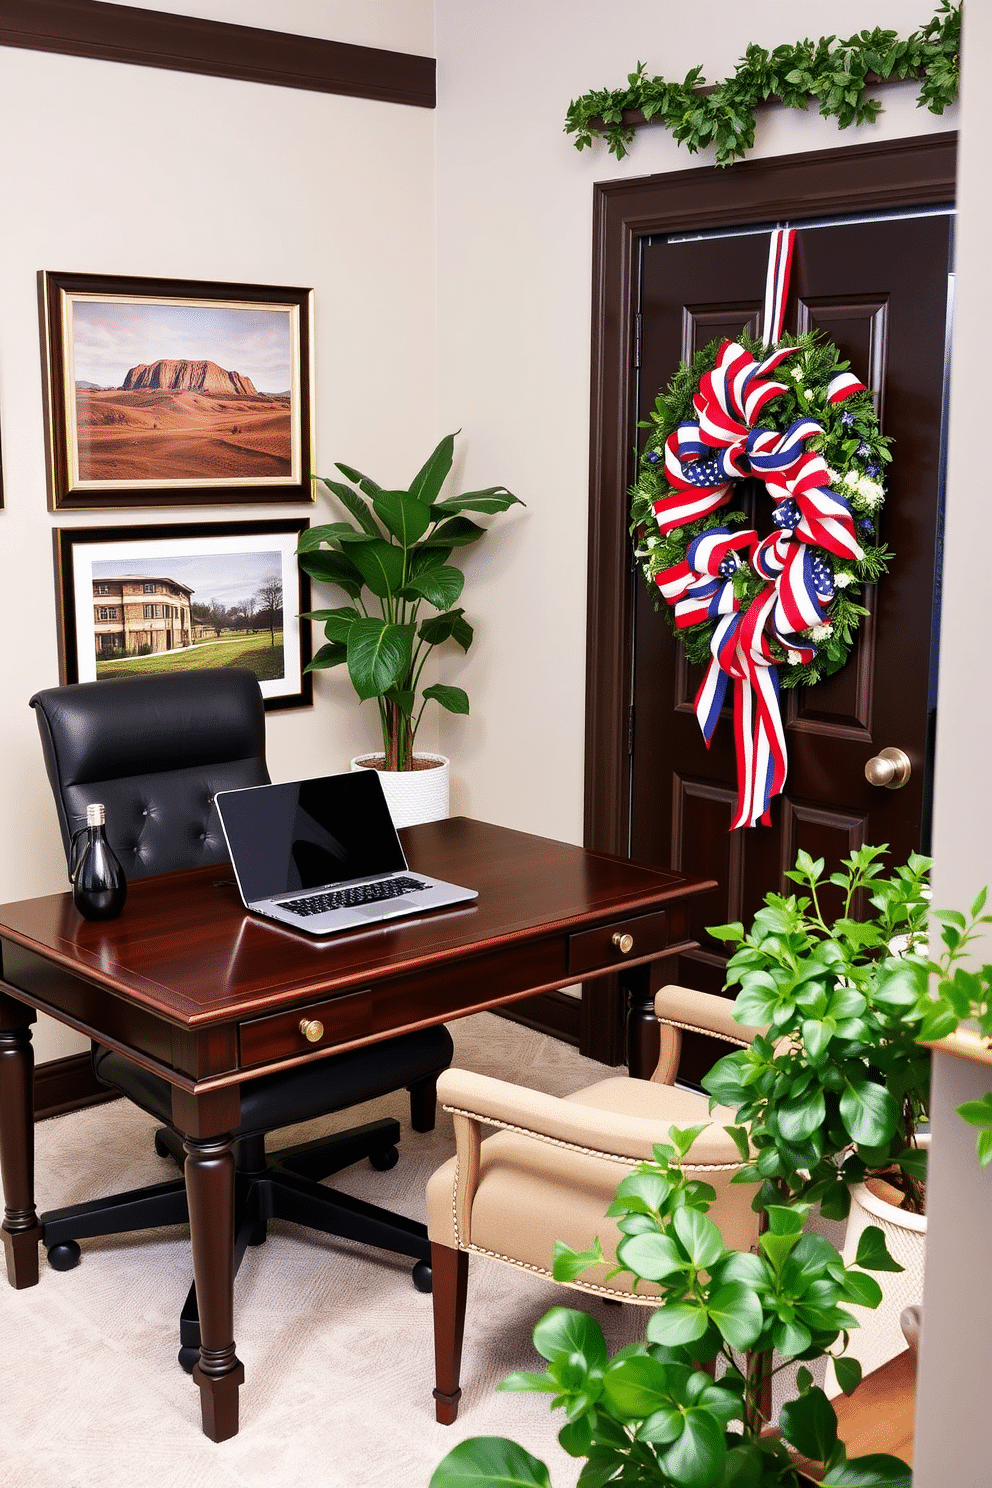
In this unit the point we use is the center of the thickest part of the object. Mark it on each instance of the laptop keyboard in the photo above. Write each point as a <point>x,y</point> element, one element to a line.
<point>369,893</point>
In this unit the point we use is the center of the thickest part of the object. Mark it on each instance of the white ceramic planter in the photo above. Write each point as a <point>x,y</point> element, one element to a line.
<point>880,1336</point>
<point>413,795</point>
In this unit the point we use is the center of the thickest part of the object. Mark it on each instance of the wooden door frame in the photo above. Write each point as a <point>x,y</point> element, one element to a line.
<point>915,172</point>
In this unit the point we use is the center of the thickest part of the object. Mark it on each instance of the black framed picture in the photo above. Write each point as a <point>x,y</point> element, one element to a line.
<point>139,600</point>
<point>164,392</point>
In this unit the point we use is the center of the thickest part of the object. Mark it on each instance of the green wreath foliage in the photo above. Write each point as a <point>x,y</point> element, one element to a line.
<point>855,450</point>
<point>838,74</point>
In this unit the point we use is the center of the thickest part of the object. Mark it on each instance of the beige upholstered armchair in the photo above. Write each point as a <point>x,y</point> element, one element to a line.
<point>552,1168</point>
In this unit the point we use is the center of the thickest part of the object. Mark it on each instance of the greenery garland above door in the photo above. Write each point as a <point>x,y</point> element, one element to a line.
<point>838,74</point>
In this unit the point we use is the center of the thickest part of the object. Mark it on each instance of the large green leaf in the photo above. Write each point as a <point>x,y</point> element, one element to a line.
<point>353,503</point>
<point>338,623</point>
<point>379,655</point>
<point>873,1253</point>
<point>367,484</point>
<point>492,499</point>
<point>331,567</point>
<point>810,1425</point>
<point>698,1455</point>
<point>636,1387</point>
<point>331,655</point>
<point>380,564</point>
<point>454,699</point>
<point>456,532</point>
<point>330,533</point>
<point>800,1117</point>
<point>429,479</point>
<point>440,586</point>
<point>651,1255</point>
<point>737,1312</point>
<point>563,1331</point>
<point>490,1462</point>
<point>700,1236</point>
<point>868,1111</point>
<point>677,1323</point>
<point>403,515</point>
<point>438,628</point>
<point>875,1471</point>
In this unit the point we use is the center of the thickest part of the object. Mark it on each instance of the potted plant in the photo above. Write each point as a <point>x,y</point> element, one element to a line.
<point>833,1096</point>
<point>657,1413</point>
<point>392,560</point>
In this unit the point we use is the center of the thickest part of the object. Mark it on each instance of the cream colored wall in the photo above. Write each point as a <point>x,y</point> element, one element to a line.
<point>514,265</point>
<point>955,1394</point>
<point>123,170</point>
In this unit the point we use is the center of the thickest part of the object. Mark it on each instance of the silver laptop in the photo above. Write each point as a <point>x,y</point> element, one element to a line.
<point>323,855</point>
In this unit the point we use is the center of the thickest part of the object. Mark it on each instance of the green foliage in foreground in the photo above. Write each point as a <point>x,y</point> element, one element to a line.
<point>834,73</point>
<point>653,1415</point>
<point>837,1087</point>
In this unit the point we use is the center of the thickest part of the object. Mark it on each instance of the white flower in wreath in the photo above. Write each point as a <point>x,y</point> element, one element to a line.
<point>851,478</point>
<point>870,493</point>
<point>794,657</point>
<point>843,580</point>
<point>820,632</point>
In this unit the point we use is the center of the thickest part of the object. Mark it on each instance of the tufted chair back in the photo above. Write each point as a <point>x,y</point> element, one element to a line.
<point>155,750</point>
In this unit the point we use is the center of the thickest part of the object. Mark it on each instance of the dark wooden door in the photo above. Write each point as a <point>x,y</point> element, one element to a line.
<point>879,289</point>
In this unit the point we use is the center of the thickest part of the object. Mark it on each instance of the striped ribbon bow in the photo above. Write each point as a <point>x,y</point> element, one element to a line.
<point>703,459</point>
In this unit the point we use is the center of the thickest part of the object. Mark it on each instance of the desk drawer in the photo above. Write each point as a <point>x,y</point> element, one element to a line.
<point>279,1035</point>
<point>591,950</point>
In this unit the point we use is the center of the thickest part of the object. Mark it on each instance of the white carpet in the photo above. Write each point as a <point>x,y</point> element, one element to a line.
<point>335,1339</point>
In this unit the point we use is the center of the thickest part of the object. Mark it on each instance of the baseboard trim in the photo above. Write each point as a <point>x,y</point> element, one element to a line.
<point>62,1085</point>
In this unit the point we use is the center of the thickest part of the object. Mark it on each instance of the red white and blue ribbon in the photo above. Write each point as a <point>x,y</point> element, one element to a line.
<point>703,458</point>
<point>777,283</point>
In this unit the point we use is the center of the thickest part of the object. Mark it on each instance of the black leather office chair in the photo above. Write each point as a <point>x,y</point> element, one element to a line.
<point>156,750</point>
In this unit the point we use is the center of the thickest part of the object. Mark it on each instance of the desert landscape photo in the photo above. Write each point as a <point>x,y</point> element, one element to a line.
<point>151,407</point>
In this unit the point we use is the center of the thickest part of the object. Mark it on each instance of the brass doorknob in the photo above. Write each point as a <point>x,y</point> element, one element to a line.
<point>890,767</point>
<point>312,1029</point>
<point>623,943</point>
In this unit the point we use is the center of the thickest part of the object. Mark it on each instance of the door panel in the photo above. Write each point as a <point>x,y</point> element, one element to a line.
<point>878,288</point>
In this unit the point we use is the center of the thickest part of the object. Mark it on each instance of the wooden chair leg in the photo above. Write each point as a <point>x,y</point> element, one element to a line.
<point>423,1104</point>
<point>450,1272</point>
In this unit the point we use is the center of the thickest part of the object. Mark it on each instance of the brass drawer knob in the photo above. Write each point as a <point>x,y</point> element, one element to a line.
<point>623,943</point>
<point>312,1029</point>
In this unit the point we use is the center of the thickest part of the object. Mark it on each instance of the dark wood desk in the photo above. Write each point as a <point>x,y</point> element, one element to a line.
<point>188,985</point>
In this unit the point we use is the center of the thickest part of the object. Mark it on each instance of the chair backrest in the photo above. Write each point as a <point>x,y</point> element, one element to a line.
<point>155,750</point>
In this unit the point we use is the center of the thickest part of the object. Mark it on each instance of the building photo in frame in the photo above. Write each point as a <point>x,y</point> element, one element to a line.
<point>164,393</point>
<point>152,599</point>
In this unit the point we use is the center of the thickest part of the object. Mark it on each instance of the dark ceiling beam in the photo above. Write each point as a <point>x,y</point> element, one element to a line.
<point>178,43</point>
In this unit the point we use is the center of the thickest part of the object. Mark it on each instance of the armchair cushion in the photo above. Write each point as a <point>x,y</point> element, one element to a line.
<point>552,1173</point>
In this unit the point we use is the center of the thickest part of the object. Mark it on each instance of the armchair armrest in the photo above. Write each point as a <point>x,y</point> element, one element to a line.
<point>679,1008</point>
<point>480,1099</point>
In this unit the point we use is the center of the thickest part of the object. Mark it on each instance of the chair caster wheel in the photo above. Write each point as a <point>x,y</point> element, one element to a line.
<point>423,1278</point>
<point>64,1257</point>
<point>384,1160</point>
<point>187,1358</point>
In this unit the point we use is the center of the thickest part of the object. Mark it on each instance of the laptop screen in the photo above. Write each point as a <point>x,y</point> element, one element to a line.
<point>308,833</point>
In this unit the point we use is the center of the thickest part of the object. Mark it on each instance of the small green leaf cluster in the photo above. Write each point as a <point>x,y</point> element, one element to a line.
<point>661,1413</point>
<point>837,1087</point>
<point>838,74</point>
<point>392,558</point>
<point>950,994</point>
<point>854,449</point>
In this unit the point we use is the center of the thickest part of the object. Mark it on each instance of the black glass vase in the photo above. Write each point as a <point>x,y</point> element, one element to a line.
<point>99,887</point>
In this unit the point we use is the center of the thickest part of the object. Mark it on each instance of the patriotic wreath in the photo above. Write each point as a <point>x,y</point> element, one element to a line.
<point>774,610</point>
